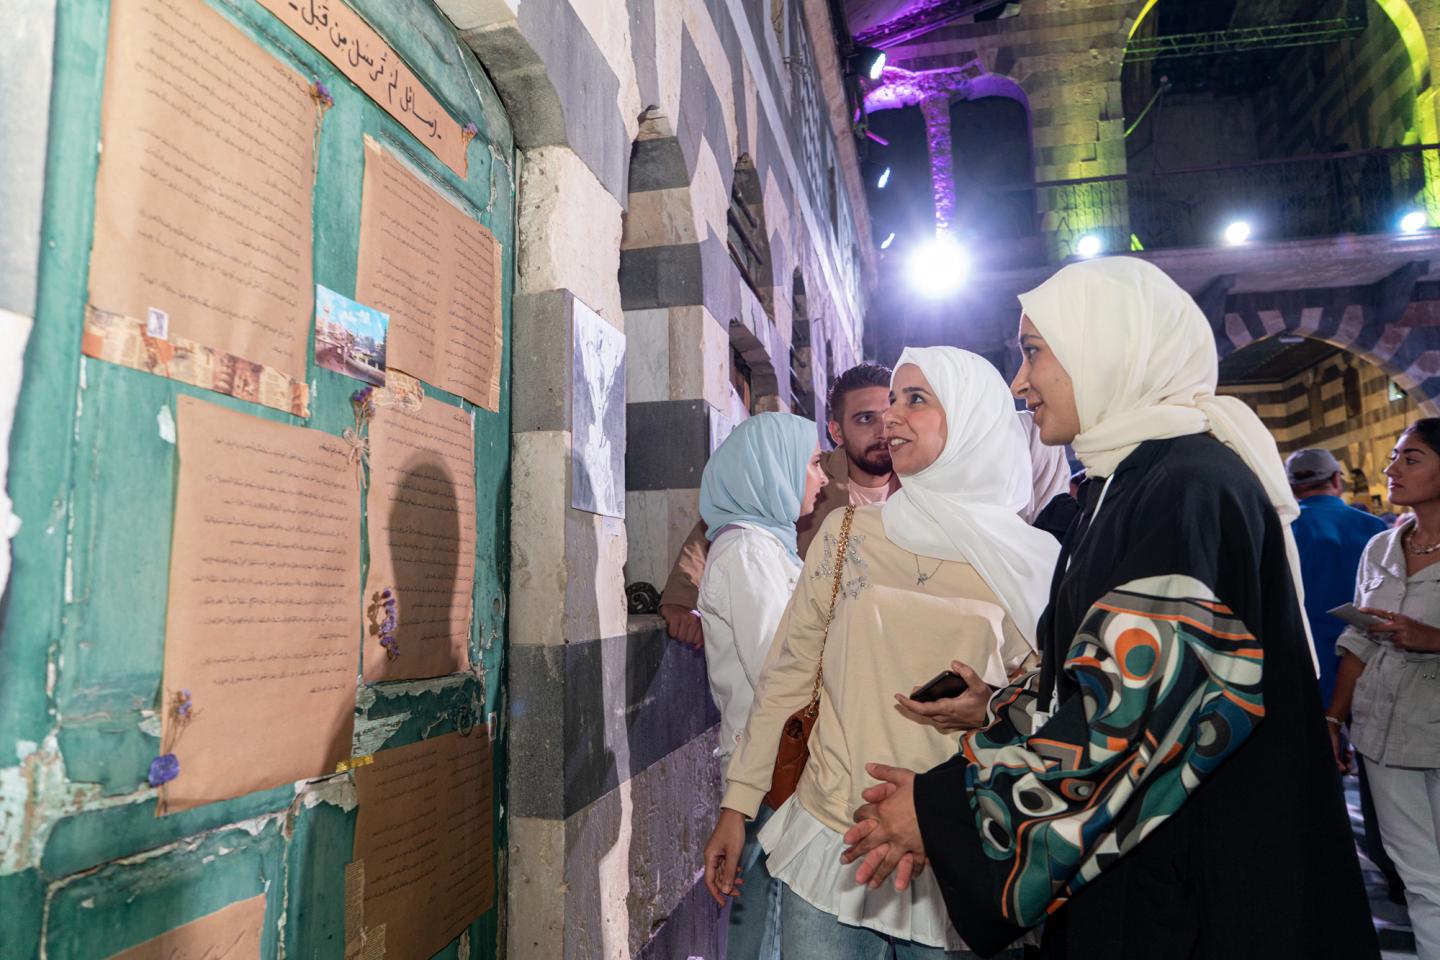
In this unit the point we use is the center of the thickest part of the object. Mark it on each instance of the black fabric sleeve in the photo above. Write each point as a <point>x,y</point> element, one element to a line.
<point>968,879</point>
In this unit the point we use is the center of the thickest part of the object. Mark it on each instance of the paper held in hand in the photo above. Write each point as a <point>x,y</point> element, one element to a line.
<point>1352,616</point>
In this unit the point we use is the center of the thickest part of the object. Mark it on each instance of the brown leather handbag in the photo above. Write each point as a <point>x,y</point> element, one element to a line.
<point>795,734</point>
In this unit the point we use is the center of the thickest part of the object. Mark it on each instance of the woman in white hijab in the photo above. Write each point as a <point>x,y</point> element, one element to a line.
<point>1052,508</point>
<point>1049,470</point>
<point>944,575</point>
<point>1164,786</point>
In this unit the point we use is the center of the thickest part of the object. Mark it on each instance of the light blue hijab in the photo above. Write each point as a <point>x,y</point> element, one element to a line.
<point>757,476</point>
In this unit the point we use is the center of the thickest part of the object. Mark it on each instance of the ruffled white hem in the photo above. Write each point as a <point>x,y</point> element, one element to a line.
<point>805,854</point>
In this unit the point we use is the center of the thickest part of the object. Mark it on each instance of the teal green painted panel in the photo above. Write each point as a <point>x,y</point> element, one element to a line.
<point>94,481</point>
<point>89,839</point>
<point>123,904</point>
<point>23,895</point>
<point>41,452</point>
<point>319,850</point>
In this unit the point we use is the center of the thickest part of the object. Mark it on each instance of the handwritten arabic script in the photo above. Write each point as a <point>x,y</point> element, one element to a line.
<point>367,60</point>
<point>262,625</point>
<point>436,271</point>
<point>424,842</point>
<point>203,200</point>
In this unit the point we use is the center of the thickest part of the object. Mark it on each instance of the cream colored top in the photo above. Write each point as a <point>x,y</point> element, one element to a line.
<point>890,634</point>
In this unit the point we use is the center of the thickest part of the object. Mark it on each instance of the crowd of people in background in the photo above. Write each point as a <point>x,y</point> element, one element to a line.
<point>1055,714</point>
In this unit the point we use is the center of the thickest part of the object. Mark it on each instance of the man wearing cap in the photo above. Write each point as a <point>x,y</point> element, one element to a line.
<point>1330,537</point>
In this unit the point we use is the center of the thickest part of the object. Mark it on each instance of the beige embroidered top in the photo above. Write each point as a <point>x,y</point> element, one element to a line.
<point>891,632</point>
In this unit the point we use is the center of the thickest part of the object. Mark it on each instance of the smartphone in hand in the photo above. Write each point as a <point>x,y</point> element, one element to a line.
<point>944,686</point>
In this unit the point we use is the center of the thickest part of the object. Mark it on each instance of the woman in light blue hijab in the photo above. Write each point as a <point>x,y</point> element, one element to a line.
<point>758,477</point>
<point>762,479</point>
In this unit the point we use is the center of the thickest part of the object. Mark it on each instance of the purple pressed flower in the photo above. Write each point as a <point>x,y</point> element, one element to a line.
<point>322,92</point>
<point>385,593</point>
<point>388,627</point>
<point>470,130</point>
<point>163,769</point>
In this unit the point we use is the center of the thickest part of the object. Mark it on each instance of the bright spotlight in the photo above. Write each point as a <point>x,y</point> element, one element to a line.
<point>1089,245</point>
<point>884,179</point>
<point>1413,222</point>
<point>869,61</point>
<point>1237,233</point>
<point>938,267</point>
<point>885,244</point>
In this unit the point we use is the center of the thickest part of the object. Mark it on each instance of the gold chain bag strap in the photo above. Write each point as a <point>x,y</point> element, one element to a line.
<point>795,734</point>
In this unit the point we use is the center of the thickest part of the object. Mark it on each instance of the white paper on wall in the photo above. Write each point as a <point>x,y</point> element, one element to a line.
<point>597,408</point>
<point>14,334</point>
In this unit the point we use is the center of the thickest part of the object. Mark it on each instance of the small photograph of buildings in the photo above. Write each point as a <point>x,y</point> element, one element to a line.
<point>350,337</point>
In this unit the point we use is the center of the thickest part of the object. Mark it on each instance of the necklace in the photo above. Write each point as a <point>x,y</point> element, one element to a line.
<point>923,578</point>
<point>1421,549</point>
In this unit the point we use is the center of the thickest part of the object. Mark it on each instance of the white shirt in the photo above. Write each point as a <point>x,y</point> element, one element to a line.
<point>749,577</point>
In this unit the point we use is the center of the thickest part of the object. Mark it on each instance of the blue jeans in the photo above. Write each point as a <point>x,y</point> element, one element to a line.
<point>754,929</point>
<point>812,934</point>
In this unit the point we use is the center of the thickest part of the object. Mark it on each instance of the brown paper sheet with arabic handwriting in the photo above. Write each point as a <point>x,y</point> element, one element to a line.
<point>423,843</point>
<point>421,509</point>
<point>262,624</point>
<point>231,933</point>
<point>436,271</point>
<point>347,41</point>
<point>203,201</point>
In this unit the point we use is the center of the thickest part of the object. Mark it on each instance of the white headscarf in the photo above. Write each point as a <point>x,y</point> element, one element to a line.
<point>1049,470</point>
<point>966,505</point>
<point>1142,359</point>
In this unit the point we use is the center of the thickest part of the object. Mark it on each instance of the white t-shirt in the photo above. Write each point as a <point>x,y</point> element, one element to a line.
<point>749,577</point>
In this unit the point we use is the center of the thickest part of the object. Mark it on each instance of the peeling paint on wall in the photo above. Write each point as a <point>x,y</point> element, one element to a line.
<point>338,791</point>
<point>166,420</point>
<point>36,794</point>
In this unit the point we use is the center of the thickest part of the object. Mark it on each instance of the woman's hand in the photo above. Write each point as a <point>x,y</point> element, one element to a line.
<point>1406,633</point>
<point>965,712</point>
<point>683,625</point>
<point>722,855</point>
<point>886,831</point>
<point>1344,753</point>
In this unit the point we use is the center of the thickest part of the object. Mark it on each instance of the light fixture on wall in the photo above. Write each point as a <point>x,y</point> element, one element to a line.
<point>1090,245</point>
<point>868,62</point>
<point>884,180</point>
<point>1237,232</point>
<point>885,244</point>
<point>1414,221</point>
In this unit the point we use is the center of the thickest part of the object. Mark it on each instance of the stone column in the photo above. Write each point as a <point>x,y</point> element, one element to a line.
<point>936,110</point>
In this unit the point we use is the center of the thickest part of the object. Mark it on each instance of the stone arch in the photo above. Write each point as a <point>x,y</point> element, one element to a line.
<point>749,234</point>
<point>1424,124</point>
<point>1412,35</point>
<point>1408,354</point>
<point>934,91</point>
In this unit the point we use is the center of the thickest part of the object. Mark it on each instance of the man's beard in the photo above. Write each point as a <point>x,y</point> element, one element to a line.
<point>874,461</point>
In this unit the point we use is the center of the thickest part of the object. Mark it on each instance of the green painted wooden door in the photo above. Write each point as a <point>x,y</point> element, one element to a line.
<point>86,867</point>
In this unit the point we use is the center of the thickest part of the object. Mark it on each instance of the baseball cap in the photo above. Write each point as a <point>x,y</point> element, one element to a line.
<point>1311,466</point>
